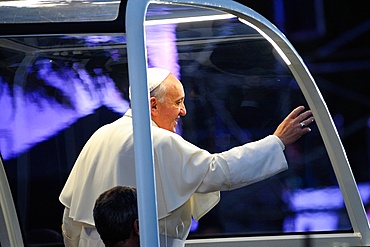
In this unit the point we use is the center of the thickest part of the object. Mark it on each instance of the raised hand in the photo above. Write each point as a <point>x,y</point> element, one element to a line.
<point>294,125</point>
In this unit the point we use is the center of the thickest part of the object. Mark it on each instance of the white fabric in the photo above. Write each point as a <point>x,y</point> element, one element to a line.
<point>188,179</point>
<point>168,241</point>
<point>77,234</point>
<point>155,77</point>
<point>90,237</point>
<point>71,230</point>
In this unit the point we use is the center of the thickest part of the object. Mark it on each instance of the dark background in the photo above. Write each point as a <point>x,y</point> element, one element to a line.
<point>333,39</point>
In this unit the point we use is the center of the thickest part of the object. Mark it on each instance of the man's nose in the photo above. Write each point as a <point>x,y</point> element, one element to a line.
<point>182,110</point>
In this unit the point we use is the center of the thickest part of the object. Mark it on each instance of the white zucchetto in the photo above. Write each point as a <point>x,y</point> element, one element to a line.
<point>155,77</point>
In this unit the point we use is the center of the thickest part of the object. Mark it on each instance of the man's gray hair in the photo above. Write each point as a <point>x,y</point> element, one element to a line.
<point>159,92</point>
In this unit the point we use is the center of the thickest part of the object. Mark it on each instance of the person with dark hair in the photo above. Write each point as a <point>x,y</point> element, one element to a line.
<point>116,217</point>
<point>188,179</point>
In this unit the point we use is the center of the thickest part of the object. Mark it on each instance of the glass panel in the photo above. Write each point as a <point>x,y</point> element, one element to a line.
<point>238,90</point>
<point>55,92</point>
<point>28,11</point>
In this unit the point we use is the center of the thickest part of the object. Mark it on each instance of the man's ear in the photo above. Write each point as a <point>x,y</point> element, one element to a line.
<point>153,105</point>
<point>136,226</point>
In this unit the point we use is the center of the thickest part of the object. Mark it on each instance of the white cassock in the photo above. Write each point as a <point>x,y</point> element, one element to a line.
<point>188,179</point>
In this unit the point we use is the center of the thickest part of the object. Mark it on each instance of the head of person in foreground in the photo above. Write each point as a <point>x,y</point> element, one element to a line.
<point>116,217</point>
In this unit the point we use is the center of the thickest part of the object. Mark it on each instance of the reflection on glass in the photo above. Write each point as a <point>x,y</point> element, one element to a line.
<point>56,91</point>
<point>46,93</point>
<point>43,11</point>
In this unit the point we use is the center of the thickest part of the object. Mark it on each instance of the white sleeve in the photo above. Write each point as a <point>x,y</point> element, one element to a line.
<point>185,170</point>
<point>245,165</point>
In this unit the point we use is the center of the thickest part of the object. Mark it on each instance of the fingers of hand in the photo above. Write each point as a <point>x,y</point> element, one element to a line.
<point>296,112</point>
<point>304,123</point>
<point>304,116</point>
<point>295,125</point>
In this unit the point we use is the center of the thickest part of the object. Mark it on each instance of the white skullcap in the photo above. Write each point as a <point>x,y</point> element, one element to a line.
<point>155,77</point>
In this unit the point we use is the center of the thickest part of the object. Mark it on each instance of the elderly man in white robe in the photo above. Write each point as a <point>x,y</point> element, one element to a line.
<point>188,178</point>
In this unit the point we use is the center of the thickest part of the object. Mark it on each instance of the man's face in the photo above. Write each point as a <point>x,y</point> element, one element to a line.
<point>166,113</point>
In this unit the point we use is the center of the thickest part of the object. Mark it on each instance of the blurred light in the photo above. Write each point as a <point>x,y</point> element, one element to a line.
<point>319,221</point>
<point>188,19</point>
<point>194,225</point>
<point>30,4</point>
<point>317,199</point>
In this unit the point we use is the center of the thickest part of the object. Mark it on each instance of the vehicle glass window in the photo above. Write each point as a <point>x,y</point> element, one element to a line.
<point>28,11</point>
<point>55,91</point>
<point>238,89</point>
